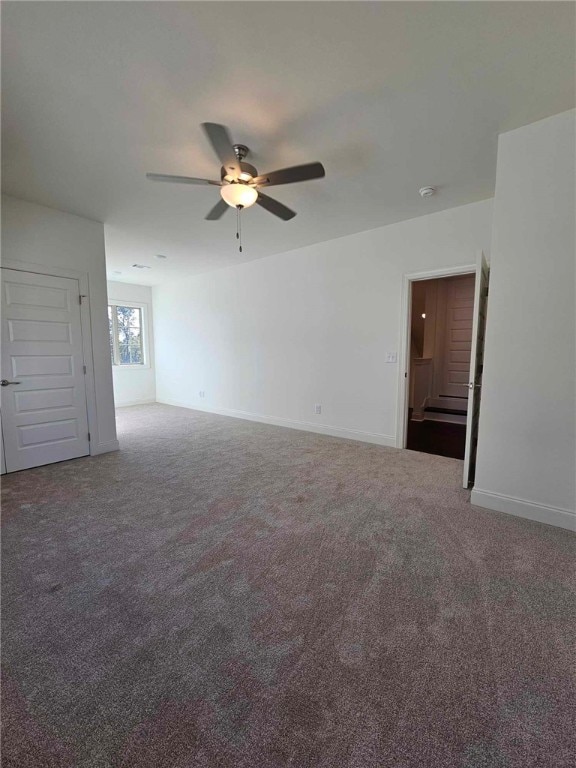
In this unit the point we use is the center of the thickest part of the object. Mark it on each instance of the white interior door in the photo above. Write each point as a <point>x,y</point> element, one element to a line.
<point>476,365</point>
<point>457,341</point>
<point>44,416</point>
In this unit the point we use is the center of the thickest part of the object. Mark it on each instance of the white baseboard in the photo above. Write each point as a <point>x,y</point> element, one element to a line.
<point>127,403</point>
<point>305,426</point>
<point>111,445</point>
<point>562,518</point>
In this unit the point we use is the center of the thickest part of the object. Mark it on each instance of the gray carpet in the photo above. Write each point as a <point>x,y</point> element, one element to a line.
<point>224,593</point>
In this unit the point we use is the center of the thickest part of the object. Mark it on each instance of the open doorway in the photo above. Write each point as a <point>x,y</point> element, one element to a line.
<point>440,348</point>
<point>442,354</point>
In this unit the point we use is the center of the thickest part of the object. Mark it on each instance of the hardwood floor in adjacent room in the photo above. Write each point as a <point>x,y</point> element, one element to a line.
<point>438,437</point>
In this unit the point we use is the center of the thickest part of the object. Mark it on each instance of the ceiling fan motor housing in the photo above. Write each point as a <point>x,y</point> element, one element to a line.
<point>246,168</point>
<point>240,150</point>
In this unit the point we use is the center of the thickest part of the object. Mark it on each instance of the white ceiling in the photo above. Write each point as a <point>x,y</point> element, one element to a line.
<point>388,96</point>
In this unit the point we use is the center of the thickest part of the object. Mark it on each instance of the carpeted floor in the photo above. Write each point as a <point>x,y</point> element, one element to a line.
<point>227,594</point>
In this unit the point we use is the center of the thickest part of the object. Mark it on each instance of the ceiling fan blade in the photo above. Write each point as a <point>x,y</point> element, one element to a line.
<point>218,211</point>
<point>291,175</point>
<point>273,206</point>
<point>219,138</point>
<point>180,179</point>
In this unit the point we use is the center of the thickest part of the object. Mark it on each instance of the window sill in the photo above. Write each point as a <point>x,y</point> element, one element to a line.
<point>136,367</point>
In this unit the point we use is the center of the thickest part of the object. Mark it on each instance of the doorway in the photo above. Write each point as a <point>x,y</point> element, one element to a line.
<point>442,354</point>
<point>441,321</point>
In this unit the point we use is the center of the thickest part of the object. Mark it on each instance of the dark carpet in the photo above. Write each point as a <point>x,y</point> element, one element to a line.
<point>225,593</point>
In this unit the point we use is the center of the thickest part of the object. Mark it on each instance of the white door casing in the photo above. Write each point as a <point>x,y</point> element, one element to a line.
<point>476,366</point>
<point>44,416</point>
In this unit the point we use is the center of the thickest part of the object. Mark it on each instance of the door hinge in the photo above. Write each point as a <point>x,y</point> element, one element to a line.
<point>82,296</point>
<point>84,369</point>
<point>88,436</point>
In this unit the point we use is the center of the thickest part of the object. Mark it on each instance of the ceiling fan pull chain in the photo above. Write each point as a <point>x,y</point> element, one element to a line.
<point>239,225</point>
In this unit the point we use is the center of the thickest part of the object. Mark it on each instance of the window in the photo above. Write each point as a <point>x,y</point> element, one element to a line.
<point>126,334</point>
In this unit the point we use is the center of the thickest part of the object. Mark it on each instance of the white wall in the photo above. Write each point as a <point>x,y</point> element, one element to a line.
<point>53,240</point>
<point>269,339</point>
<point>133,386</point>
<point>526,449</point>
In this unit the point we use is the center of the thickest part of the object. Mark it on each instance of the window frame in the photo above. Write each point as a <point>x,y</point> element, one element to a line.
<point>113,303</point>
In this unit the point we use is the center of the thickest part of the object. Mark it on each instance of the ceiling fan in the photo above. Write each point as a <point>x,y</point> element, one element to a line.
<point>239,181</point>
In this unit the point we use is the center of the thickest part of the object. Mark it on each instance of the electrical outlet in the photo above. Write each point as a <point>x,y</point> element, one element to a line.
<point>391,357</point>
<point>202,393</point>
<point>317,408</point>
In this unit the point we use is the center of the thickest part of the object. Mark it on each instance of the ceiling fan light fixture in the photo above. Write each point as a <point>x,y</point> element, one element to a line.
<point>239,195</point>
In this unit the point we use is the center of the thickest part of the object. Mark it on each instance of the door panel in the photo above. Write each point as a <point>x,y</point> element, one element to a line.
<point>43,399</point>
<point>41,365</point>
<point>36,330</point>
<point>44,415</point>
<point>476,367</point>
<point>457,336</point>
<point>52,431</point>
<point>35,296</point>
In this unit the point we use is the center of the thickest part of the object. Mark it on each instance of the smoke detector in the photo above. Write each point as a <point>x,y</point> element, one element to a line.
<point>427,191</point>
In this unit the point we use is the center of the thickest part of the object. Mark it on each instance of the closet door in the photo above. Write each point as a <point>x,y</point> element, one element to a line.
<point>44,416</point>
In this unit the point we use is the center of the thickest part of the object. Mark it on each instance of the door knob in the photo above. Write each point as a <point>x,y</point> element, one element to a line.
<point>472,385</point>
<point>5,382</point>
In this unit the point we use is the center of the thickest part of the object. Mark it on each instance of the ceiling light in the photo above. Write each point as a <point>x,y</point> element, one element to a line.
<point>427,191</point>
<point>239,195</point>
